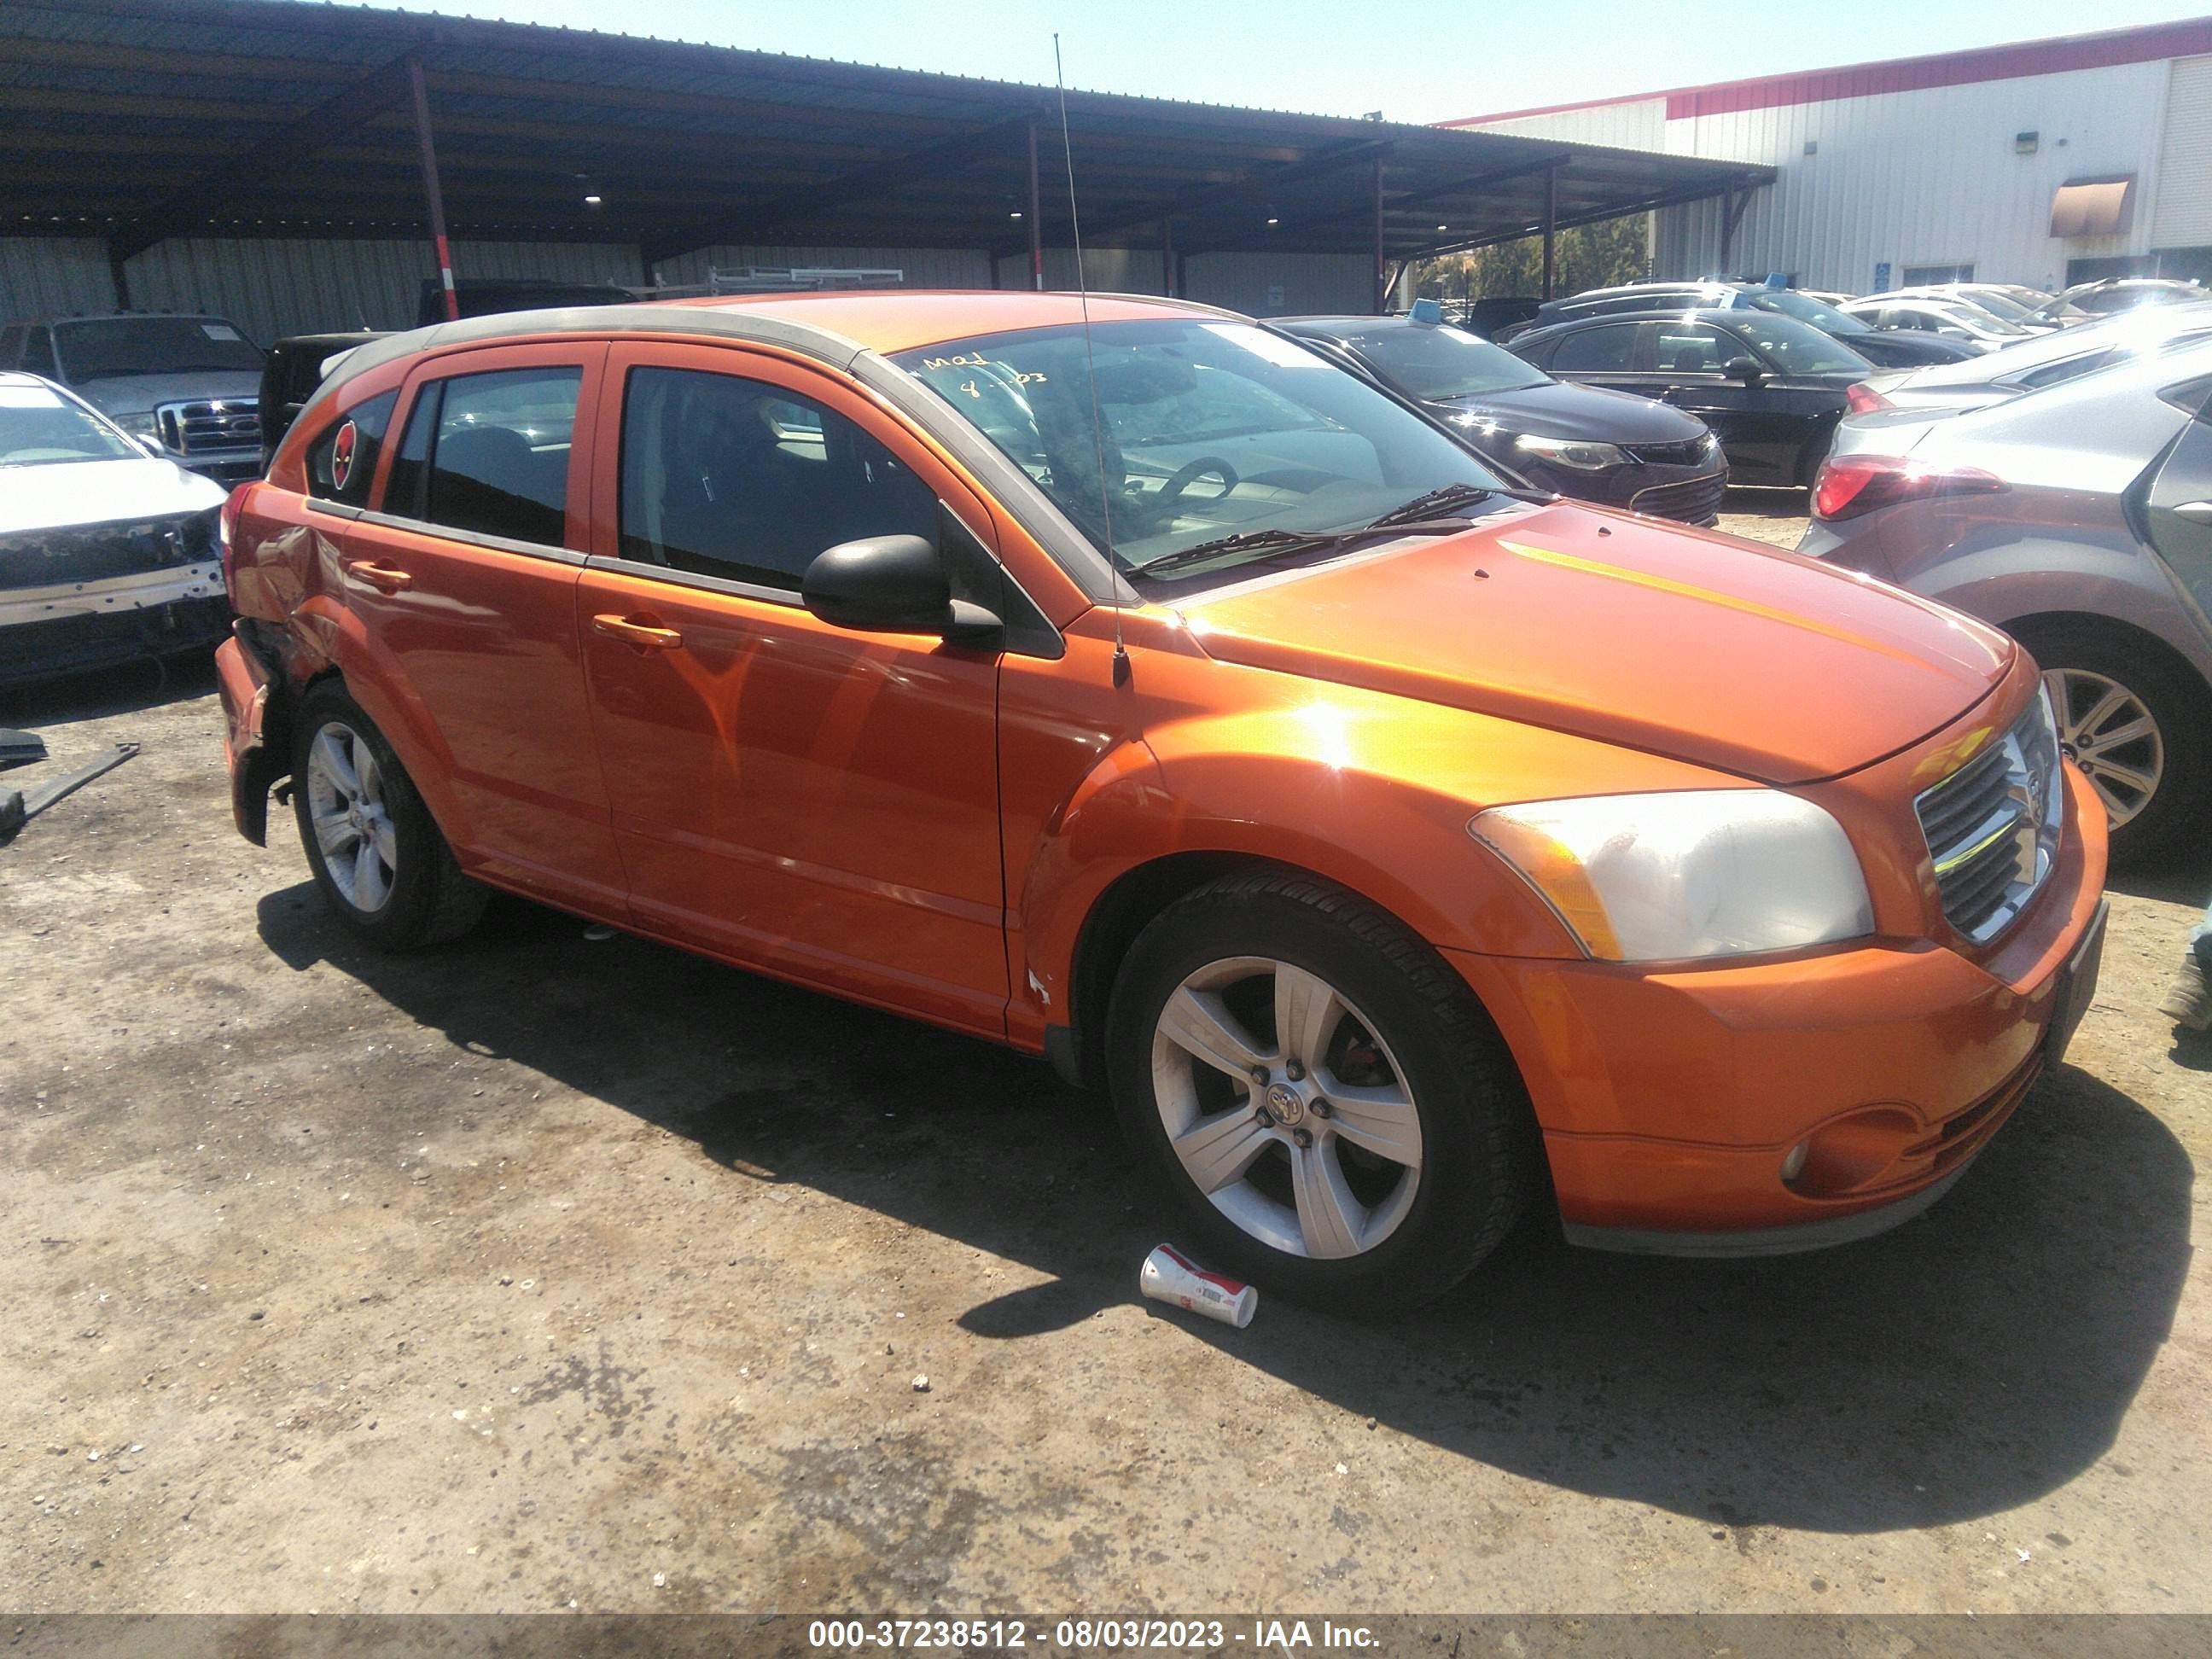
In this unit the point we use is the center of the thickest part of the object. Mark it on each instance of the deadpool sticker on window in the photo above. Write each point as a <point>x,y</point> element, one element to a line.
<point>342,455</point>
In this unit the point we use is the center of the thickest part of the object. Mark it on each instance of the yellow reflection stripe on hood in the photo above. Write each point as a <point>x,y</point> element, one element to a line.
<point>1706,595</point>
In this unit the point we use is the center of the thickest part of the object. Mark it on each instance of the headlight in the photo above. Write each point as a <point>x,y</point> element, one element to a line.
<point>1697,874</point>
<point>1571,452</point>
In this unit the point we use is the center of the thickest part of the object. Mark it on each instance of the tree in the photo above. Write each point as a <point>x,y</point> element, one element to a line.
<point>1587,256</point>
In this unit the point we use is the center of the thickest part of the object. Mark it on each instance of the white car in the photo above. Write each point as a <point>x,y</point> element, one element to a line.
<point>1953,319</point>
<point>2013,304</point>
<point>106,552</point>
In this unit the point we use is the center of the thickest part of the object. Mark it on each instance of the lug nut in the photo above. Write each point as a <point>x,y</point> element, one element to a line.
<point>1264,1118</point>
<point>1304,1139</point>
<point>1294,1071</point>
<point>1259,1074</point>
<point>1321,1109</point>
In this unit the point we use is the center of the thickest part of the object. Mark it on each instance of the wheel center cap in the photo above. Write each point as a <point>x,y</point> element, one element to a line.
<point>1283,1100</point>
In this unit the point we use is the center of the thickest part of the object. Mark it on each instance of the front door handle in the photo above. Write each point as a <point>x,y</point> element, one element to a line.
<point>2195,512</point>
<point>645,636</point>
<point>382,577</point>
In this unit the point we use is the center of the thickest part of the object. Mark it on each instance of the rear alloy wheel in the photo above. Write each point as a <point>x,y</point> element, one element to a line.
<point>2135,725</point>
<point>2112,737</point>
<point>382,865</point>
<point>1337,1115</point>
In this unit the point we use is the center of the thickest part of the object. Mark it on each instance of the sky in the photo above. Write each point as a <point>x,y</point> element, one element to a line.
<point>1427,61</point>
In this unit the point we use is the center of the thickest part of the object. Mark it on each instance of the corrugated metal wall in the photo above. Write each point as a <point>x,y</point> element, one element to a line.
<point>277,287</point>
<point>2183,217</point>
<point>53,276</point>
<point>1639,124</point>
<point>1922,178</point>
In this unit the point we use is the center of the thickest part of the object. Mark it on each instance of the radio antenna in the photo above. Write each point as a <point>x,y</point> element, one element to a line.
<point>1090,367</point>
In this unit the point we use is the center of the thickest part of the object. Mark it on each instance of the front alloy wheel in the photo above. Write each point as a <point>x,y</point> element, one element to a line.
<point>1284,1107</point>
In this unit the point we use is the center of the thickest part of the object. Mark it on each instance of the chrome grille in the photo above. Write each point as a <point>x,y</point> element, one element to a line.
<point>197,428</point>
<point>1992,826</point>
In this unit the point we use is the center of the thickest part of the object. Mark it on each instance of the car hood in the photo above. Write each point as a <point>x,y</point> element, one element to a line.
<point>60,494</point>
<point>1558,409</point>
<point>1708,649</point>
<point>135,394</point>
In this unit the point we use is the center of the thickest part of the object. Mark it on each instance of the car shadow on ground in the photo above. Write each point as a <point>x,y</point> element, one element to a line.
<point>119,688</point>
<point>1963,1365</point>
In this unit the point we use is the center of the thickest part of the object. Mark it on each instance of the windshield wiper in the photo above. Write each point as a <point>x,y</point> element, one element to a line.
<point>1301,541</point>
<point>1423,507</point>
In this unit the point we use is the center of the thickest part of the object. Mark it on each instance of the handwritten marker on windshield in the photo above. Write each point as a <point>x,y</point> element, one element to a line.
<point>1168,1275</point>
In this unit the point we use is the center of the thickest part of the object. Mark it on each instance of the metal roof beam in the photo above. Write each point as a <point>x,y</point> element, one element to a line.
<point>749,223</point>
<point>275,154</point>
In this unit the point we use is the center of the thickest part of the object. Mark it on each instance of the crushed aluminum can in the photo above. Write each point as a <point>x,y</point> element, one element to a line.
<point>1168,1275</point>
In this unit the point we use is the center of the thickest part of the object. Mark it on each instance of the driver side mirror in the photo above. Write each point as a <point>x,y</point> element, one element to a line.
<point>894,584</point>
<point>1746,369</point>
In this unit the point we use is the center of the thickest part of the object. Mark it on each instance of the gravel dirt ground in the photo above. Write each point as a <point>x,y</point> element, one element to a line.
<point>546,1273</point>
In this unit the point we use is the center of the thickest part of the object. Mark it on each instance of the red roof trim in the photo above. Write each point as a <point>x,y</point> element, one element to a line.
<point>2003,63</point>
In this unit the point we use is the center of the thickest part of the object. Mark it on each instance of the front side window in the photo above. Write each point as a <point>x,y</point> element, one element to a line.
<point>489,452</point>
<point>39,427</point>
<point>1205,430</point>
<point>104,347</point>
<point>38,354</point>
<point>342,460</point>
<point>1793,347</point>
<point>1694,349</point>
<point>1608,351</point>
<point>727,476</point>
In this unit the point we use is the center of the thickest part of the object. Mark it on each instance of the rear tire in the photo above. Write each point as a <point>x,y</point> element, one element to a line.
<point>2082,664</point>
<point>382,865</point>
<point>1397,1145</point>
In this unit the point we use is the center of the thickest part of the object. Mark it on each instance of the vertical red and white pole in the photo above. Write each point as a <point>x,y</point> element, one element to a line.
<point>431,190</point>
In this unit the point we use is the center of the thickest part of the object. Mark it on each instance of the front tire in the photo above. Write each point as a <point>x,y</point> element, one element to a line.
<point>378,857</point>
<point>1337,1117</point>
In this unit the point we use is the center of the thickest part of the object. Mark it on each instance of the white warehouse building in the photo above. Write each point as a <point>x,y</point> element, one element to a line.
<point>2046,163</point>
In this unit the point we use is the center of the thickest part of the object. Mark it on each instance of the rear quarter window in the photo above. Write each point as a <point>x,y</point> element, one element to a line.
<point>342,460</point>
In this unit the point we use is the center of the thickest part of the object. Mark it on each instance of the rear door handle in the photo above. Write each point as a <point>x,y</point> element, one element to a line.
<point>381,577</point>
<point>645,636</point>
<point>2195,512</point>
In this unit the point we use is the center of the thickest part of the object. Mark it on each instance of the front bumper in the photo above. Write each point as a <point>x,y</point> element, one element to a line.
<point>1669,1100</point>
<point>67,627</point>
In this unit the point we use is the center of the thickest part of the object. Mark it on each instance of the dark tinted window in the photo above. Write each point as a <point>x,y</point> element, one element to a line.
<point>342,460</point>
<point>494,457</point>
<point>1612,347</point>
<point>1694,349</point>
<point>11,345</point>
<point>39,353</point>
<point>733,477</point>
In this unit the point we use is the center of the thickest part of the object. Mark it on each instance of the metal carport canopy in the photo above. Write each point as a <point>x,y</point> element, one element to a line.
<point>139,120</point>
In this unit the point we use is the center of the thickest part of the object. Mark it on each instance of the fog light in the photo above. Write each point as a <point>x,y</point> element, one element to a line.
<point>1794,1164</point>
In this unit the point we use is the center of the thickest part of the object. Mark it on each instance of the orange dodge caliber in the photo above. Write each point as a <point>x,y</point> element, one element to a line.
<point>1159,698</point>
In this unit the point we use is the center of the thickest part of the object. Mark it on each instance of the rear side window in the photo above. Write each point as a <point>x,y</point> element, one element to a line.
<point>2190,396</point>
<point>490,454</point>
<point>1694,349</point>
<point>1612,347</point>
<point>342,460</point>
<point>732,477</point>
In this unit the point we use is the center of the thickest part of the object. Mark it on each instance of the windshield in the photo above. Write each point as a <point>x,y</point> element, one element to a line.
<point>1438,363</point>
<point>1797,347</point>
<point>1208,430</point>
<point>109,346</point>
<point>1824,316</point>
<point>1976,320</point>
<point>37,427</point>
<point>2000,305</point>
